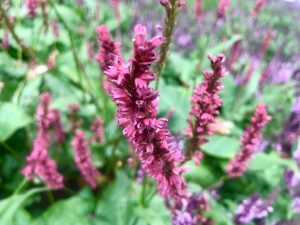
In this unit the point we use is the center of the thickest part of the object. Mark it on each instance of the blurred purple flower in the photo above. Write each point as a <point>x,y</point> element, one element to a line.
<point>258,5</point>
<point>254,208</point>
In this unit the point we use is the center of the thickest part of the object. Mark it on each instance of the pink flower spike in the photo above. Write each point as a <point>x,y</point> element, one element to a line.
<point>83,159</point>
<point>5,39</point>
<point>98,131</point>
<point>222,8</point>
<point>199,10</point>
<point>38,162</point>
<point>250,141</point>
<point>32,6</point>
<point>108,49</point>
<point>205,104</point>
<point>258,5</point>
<point>128,85</point>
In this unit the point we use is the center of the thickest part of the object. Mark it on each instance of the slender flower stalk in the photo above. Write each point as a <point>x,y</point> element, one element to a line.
<point>245,79</point>
<point>55,28</point>
<point>266,43</point>
<point>98,130</point>
<point>250,141</point>
<point>83,158</point>
<point>9,25</point>
<point>115,4</point>
<point>172,9</point>
<point>137,113</point>
<point>235,53</point>
<point>258,5</point>
<point>222,8</point>
<point>205,105</point>
<point>44,7</point>
<point>5,39</point>
<point>39,162</point>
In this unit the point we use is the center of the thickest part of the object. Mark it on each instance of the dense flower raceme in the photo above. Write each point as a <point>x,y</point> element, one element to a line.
<point>192,210</point>
<point>250,141</point>
<point>254,208</point>
<point>83,158</point>
<point>222,7</point>
<point>39,162</point>
<point>55,28</point>
<point>32,6</point>
<point>137,113</point>
<point>258,5</point>
<point>98,130</point>
<point>205,104</point>
<point>108,49</point>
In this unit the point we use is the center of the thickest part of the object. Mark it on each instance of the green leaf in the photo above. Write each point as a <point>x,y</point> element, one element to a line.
<point>73,211</point>
<point>219,214</point>
<point>263,161</point>
<point>116,204</point>
<point>10,206</point>
<point>221,146</point>
<point>204,175</point>
<point>12,118</point>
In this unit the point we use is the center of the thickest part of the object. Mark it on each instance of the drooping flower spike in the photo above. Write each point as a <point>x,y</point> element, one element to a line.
<point>137,113</point>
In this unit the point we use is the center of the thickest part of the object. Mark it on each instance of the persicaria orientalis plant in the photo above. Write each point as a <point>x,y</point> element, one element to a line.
<point>159,157</point>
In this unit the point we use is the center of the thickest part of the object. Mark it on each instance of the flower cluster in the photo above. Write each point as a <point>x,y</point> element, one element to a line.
<point>83,158</point>
<point>137,113</point>
<point>98,131</point>
<point>192,210</point>
<point>108,49</point>
<point>32,6</point>
<point>254,208</point>
<point>222,7</point>
<point>205,104</point>
<point>250,140</point>
<point>39,162</point>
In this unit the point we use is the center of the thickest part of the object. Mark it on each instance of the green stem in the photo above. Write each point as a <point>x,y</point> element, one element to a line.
<point>170,20</point>
<point>50,197</point>
<point>143,193</point>
<point>11,150</point>
<point>28,51</point>
<point>21,186</point>
<point>80,70</point>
